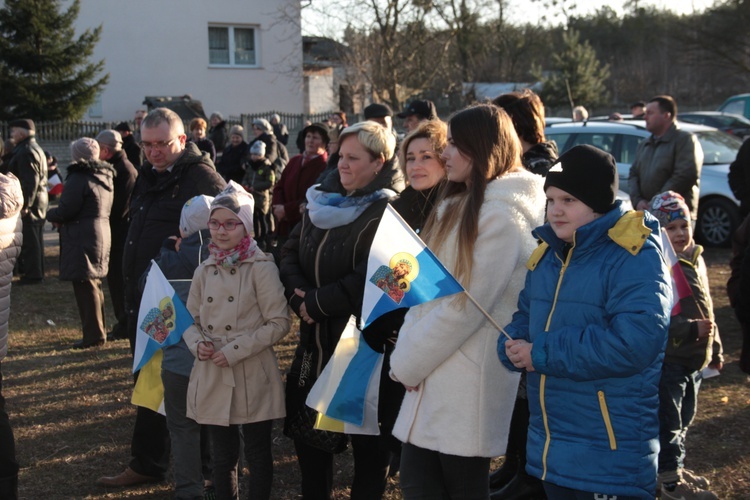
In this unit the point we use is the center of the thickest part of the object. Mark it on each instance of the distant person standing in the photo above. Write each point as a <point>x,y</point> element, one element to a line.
<point>110,150</point>
<point>218,132</point>
<point>300,142</point>
<point>140,114</point>
<point>129,145</point>
<point>263,131</point>
<point>259,180</point>
<point>338,120</point>
<point>580,114</point>
<point>417,112</point>
<point>302,171</point>
<point>231,165</point>
<point>29,164</point>
<point>279,129</point>
<point>526,110</point>
<point>638,110</point>
<point>669,160</point>
<point>82,217</point>
<point>198,136</point>
<point>11,235</point>
<point>380,113</point>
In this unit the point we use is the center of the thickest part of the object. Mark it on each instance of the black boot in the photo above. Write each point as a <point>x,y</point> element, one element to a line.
<point>9,488</point>
<point>505,473</point>
<point>521,487</point>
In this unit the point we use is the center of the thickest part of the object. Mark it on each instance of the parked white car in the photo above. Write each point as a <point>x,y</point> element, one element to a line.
<point>718,209</point>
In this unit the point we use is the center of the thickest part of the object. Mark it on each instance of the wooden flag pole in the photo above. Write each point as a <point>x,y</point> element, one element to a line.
<point>487,315</point>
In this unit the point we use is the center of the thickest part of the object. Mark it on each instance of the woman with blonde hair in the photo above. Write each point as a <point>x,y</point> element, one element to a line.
<point>323,269</point>
<point>459,398</point>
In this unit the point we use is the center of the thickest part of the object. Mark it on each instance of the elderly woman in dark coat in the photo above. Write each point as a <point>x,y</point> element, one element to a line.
<point>82,218</point>
<point>323,269</point>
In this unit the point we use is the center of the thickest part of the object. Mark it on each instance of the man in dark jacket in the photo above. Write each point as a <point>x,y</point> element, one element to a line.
<point>279,129</point>
<point>29,164</point>
<point>174,172</point>
<point>110,150</point>
<point>218,133</point>
<point>129,145</point>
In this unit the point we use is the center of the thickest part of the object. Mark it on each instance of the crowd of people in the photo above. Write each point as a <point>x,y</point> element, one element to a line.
<point>586,380</point>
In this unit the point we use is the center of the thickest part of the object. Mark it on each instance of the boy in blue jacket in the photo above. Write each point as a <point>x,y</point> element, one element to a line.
<point>590,332</point>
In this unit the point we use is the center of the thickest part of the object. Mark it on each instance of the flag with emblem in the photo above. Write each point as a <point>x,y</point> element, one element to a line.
<point>162,319</point>
<point>402,271</point>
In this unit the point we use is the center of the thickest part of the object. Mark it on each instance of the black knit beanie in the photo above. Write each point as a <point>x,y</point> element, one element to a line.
<point>587,173</point>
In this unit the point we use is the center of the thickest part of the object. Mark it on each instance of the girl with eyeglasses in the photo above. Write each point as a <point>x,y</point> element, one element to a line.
<point>240,312</point>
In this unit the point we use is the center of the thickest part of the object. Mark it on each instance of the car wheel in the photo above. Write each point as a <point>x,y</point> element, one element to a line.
<point>717,220</point>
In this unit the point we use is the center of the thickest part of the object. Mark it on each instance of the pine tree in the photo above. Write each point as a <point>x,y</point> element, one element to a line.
<point>45,72</point>
<point>577,76</point>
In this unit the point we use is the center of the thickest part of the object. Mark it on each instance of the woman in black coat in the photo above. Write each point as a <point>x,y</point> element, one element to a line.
<point>82,217</point>
<point>323,269</point>
<point>232,164</point>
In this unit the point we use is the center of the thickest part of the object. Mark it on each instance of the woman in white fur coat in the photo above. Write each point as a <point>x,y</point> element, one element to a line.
<point>456,412</point>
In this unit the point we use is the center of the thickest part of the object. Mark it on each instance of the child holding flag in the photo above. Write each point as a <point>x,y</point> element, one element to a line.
<point>590,332</point>
<point>692,336</point>
<point>240,312</point>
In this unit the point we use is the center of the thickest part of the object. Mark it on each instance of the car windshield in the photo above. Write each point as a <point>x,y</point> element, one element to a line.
<point>718,147</point>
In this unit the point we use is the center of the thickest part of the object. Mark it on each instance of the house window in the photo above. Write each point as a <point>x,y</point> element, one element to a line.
<point>232,46</point>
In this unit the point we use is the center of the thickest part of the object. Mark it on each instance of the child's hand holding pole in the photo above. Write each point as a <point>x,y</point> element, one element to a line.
<point>205,350</point>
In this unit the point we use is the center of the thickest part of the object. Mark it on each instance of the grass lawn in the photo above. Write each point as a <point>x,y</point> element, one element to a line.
<point>73,420</point>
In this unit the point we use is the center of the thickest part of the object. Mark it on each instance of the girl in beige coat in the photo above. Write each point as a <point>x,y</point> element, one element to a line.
<point>240,311</point>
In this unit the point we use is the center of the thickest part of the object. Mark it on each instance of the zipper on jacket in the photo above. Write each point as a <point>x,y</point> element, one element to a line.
<point>319,367</point>
<point>543,378</point>
<point>607,421</point>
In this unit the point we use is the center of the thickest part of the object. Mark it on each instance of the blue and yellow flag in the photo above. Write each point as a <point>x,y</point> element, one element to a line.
<point>162,319</point>
<point>346,393</point>
<point>402,271</point>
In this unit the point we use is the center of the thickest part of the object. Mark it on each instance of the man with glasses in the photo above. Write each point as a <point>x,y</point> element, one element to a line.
<point>173,173</point>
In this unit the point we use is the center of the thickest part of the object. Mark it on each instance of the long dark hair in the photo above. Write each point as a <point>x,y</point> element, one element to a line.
<point>485,135</point>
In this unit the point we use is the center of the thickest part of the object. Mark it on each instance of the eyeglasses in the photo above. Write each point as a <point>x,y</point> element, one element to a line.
<point>229,225</point>
<point>161,145</point>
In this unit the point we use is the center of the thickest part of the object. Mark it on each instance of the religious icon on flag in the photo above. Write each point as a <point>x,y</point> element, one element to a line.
<point>402,271</point>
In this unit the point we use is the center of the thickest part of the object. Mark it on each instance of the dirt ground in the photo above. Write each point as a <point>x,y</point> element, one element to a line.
<point>73,420</point>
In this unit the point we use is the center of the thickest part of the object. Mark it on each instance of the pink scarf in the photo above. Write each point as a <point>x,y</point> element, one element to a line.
<point>230,258</point>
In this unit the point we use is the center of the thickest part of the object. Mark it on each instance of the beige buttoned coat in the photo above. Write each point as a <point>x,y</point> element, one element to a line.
<point>242,310</point>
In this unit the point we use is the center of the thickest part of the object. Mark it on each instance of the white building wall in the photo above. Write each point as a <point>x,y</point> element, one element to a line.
<point>320,92</point>
<point>161,48</point>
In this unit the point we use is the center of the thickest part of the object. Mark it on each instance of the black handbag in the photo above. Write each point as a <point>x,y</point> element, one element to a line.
<point>300,418</point>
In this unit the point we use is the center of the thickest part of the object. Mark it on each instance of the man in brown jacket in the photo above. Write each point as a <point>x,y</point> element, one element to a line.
<point>669,160</point>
